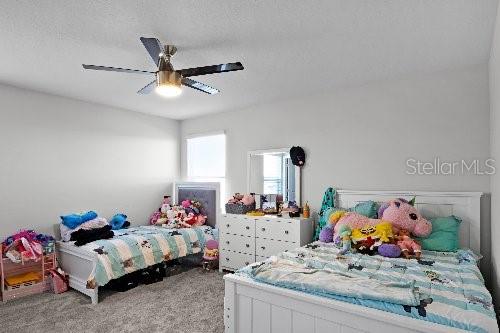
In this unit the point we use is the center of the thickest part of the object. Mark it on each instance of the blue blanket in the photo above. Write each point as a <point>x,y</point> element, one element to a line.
<point>443,287</point>
<point>136,248</point>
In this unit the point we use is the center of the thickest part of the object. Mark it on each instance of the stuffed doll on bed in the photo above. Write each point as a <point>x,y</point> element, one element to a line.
<point>186,215</point>
<point>389,234</point>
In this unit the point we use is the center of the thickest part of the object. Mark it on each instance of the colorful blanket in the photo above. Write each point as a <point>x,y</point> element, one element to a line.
<point>136,248</point>
<point>442,287</point>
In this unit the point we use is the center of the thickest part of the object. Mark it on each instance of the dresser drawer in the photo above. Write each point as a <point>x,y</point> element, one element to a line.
<point>237,243</point>
<point>234,260</point>
<point>287,231</point>
<point>268,247</point>
<point>237,225</point>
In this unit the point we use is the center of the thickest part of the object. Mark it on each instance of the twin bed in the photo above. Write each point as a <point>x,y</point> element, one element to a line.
<point>94,264</point>
<point>455,297</point>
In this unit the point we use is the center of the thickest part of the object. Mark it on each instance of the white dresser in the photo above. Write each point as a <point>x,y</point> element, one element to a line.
<point>246,239</point>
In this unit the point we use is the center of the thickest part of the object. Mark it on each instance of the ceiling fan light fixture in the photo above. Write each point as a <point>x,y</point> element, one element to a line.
<point>168,84</point>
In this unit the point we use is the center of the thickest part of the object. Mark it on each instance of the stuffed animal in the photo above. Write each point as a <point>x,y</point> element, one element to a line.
<point>345,235</point>
<point>403,215</point>
<point>248,199</point>
<point>389,250</point>
<point>186,203</point>
<point>381,233</point>
<point>326,234</point>
<point>166,204</point>
<point>190,219</point>
<point>400,213</point>
<point>408,245</point>
<point>118,221</point>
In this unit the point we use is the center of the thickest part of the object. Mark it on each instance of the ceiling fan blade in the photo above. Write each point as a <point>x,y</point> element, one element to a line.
<point>154,48</point>
<point>199,86</point>
<point>148,88</point>
<point>234,66</point>
<point>116,69</point>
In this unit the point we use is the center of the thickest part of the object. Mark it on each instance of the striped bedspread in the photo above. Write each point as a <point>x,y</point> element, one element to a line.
<point>136,248</point>
<point>449,286</point>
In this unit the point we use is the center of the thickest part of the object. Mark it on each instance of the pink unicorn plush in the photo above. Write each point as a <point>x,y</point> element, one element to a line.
<point>399,212</point>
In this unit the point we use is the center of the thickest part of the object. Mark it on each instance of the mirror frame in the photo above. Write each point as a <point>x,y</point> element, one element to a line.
<point>276,150</point>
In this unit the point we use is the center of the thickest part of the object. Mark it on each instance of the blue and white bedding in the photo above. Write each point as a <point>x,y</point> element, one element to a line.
<point>136,248</point>
<point>443,287</point>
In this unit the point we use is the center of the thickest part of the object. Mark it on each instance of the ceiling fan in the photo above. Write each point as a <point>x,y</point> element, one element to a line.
<point>168,81</point>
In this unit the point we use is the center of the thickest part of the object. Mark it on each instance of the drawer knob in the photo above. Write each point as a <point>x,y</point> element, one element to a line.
<point>248,245</point>
<point>263,247</point>
<point>246,263</point>
<point>263,229</point>
<point>227,225</point>
<point>286,232</point>
<point>227,259</point>
<point>247,227</point>
<point>227,242</point>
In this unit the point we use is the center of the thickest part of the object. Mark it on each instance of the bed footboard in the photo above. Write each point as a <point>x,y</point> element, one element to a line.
<point>78,265</point>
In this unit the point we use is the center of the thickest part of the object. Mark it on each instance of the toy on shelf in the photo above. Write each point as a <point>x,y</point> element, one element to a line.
<point>26,278</point>
<point>25,262</point>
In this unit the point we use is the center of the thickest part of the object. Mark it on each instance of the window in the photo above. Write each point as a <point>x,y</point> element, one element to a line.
<point>206,159</point>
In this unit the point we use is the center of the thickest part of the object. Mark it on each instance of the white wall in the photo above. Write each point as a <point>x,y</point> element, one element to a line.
<point>360,138</point>
<point>494,72</point>
<point>59,155</point>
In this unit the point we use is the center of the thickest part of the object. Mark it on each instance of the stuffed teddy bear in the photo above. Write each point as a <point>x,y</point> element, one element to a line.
<point>400,213</point>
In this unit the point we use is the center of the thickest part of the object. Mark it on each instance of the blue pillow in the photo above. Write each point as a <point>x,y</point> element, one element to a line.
<point>444,235</point>
<point>74,220</point>
<point>367,208</point>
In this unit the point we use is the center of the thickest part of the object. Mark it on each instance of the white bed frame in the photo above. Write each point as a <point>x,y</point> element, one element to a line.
<point>250,306</point>
<point>79,263</point>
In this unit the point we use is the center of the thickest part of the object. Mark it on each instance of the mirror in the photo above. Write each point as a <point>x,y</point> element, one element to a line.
<point>271,172</point>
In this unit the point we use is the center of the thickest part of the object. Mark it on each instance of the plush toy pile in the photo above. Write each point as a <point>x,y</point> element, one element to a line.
<point>26,245</point>
<point>389,234</point>
<point>186,215</point>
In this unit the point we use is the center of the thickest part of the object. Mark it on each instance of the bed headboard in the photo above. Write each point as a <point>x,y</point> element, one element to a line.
<point>206,193</point>
<point>465,205</point>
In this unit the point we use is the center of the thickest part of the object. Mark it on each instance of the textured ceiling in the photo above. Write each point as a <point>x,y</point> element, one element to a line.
<point>289,48</point>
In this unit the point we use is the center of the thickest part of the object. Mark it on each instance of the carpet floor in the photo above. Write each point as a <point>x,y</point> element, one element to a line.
<point>187,300</point>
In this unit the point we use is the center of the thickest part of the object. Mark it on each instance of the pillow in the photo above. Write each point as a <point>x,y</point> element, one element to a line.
<point>74,220</point>
<point>366,208</point>
<point>444,235</point>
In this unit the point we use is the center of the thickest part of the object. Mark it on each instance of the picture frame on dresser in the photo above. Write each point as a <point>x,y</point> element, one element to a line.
<point>248,239</point>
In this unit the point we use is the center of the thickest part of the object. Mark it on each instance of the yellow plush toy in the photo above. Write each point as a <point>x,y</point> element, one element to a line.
<point>369,238</point>
<point>381,232</point>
